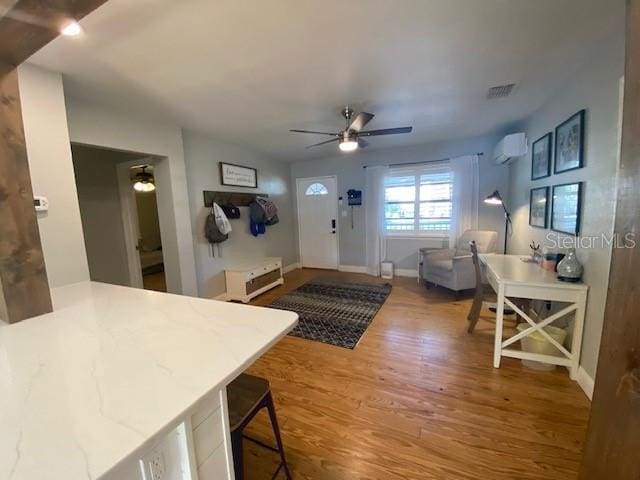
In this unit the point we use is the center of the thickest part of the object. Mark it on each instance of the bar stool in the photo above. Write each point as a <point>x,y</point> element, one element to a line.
<point>246,396</point>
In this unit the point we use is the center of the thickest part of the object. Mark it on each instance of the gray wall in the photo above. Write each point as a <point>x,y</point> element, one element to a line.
<point>348,169</point>
<point>96,124</point>
<point>51,168</point>
<point>202,155</point>
<point>101,213</point>
<point>596,88</point>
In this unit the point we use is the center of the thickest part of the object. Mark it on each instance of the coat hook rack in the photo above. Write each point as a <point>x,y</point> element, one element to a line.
<point>239,199</point>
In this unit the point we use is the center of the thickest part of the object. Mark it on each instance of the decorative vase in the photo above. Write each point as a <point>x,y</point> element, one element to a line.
<point>570,269</point>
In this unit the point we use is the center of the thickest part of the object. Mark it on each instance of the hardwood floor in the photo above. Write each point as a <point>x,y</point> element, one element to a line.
<point>155,281</point>
<point>416,399</point>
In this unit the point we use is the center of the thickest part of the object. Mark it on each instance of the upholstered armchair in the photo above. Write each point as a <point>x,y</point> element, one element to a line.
<point>453,268</point>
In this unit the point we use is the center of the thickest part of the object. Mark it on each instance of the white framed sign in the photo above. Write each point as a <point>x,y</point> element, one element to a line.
<point>238,176</point>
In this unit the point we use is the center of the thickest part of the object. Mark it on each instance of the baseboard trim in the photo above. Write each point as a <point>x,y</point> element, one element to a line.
<point>291,267</point>
<point>352,268</point>
<point>585,381</point>
<point>406,272</point>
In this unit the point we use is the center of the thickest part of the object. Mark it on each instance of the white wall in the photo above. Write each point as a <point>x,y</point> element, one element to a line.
<point>51,167</point>
<point>348,169</point>
<point>101,213</point>
<point>202,156</point>
<point>595,87</point>
<point>100,126</point>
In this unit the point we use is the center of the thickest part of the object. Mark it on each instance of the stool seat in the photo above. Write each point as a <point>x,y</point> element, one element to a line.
<point>244,394</point>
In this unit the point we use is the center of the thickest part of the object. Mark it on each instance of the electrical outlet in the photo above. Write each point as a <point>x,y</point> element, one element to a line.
<point>157,468</point>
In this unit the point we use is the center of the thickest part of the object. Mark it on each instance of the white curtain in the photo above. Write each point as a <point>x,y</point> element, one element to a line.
<point>376,245</point>
<point>465,196</point>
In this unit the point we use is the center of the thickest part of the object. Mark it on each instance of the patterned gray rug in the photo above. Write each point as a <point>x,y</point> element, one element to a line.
<point>332,312</point>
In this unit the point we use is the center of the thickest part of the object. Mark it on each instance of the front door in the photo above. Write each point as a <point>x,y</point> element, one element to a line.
<point>317,222</point>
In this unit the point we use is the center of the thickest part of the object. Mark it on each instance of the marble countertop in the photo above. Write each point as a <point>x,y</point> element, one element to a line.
<point>86,386</point>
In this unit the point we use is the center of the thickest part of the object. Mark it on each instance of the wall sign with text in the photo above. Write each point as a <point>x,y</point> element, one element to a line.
<point>238,176</point>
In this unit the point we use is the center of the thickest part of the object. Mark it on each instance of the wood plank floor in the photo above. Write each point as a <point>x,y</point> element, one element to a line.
<point>416,399</point>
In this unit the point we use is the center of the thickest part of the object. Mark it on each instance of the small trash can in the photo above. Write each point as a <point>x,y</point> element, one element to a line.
<point>536,343</point>
<point>386,270</point>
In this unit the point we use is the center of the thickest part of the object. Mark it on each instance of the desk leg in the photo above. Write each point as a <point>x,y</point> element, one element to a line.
<point>576,342</point>
<point>497,347</point>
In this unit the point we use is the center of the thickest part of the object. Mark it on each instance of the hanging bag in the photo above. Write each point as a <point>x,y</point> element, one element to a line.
<point>231,211</point>
<point>221,220</point>
<point>211,230</point>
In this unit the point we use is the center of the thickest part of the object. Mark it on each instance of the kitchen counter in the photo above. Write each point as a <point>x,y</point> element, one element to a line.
<point>112,370</point>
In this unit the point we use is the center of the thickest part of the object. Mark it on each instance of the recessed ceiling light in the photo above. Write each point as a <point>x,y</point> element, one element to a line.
<point>71,29</point>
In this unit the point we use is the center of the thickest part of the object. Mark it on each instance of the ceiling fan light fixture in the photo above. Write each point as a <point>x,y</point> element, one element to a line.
<point>144,187</point>
<point>144,181</point>
<point>348,145</point>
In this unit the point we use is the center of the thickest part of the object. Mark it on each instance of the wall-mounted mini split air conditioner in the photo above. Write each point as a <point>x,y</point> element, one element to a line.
<point>510,147</point>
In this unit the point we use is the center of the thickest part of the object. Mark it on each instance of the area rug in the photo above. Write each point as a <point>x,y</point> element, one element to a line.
<point>337,313</point>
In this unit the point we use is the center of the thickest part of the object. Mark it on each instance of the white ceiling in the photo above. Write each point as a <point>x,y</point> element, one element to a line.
<point>248,71</point>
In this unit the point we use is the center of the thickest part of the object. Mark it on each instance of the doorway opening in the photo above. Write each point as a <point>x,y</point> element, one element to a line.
<point>149,244</point>
<point>120,216</point>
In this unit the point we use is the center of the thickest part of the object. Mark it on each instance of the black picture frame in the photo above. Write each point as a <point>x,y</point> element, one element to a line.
<point>225,180</point>
<point>568,151</point>
<point>544,158</point>
<point>560,206</point>
<point>533,207</point>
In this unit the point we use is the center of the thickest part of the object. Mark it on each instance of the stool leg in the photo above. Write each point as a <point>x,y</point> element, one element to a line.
<point>238,454</point>
<point>276,433</point>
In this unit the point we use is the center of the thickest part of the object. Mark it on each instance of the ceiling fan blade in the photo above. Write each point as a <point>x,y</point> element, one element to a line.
<point>386,131</point>
<point>362,143</point>
<point>360,120</point>
<point>322,143</point>
<point>316,133</point>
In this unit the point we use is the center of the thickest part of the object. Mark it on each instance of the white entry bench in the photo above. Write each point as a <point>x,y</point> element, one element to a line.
<point>250,278</point>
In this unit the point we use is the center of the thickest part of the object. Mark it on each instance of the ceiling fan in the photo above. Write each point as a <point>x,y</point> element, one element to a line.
<point>351,138</point>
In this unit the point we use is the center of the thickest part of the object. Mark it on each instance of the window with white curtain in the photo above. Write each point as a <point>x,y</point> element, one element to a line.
<point>418,201</point>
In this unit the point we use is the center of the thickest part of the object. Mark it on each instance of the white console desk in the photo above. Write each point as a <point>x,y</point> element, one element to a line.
<point>511,277</point>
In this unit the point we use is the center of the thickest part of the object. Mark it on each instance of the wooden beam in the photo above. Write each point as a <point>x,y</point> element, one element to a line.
<point>613,439</point>
<point>23,277</point>
<point>28,25</point>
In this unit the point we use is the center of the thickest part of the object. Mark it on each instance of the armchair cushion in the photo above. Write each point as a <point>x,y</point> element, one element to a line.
<point>443,265</point>
<point>453,268</point>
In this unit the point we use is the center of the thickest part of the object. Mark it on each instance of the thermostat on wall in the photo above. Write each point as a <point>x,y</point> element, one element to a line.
<point>41,204</point>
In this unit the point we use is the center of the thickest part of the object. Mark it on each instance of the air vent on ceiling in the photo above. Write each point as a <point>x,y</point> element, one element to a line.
<point>500,91</point>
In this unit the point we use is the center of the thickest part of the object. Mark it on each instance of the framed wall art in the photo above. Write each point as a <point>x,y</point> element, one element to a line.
<point>569,146</point>
<point>566,204</point>
<point>238,176</point>
<point>541,157</point>
<point>538,207</point>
